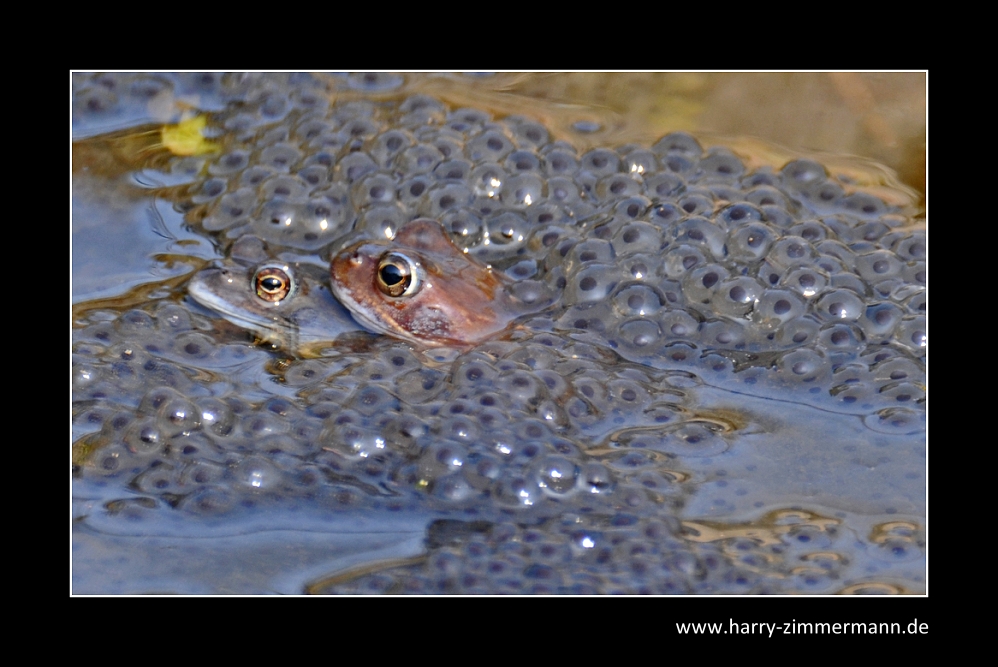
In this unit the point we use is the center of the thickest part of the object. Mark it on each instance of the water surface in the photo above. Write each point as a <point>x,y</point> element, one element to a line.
<point>549,461</point>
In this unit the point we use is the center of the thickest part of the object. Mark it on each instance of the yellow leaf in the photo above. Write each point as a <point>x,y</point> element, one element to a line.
<point>187,137</point>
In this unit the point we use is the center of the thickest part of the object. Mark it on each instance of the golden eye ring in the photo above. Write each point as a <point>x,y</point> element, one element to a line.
<point>397,275</point>
<point>273,283</point>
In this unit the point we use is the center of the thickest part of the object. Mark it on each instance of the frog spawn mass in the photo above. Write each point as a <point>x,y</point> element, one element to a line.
<point>560,454</point>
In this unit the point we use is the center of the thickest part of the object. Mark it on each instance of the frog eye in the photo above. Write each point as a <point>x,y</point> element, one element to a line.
<point>273,283</point>
<point>397,275</point>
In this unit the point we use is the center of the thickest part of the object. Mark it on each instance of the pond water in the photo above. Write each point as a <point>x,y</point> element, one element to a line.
<point>717,384</point>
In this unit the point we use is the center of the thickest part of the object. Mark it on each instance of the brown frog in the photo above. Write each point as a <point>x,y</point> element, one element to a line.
<point>421,287</point>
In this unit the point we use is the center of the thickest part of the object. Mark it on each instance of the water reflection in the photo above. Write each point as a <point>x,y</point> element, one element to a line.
<point>550,461</point>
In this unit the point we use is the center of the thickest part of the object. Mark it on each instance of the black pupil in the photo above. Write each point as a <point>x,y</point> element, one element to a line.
<point>271,284</point>
<point>391,274</point>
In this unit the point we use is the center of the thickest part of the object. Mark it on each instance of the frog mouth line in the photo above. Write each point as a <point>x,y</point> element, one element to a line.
<point>357,311</point>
